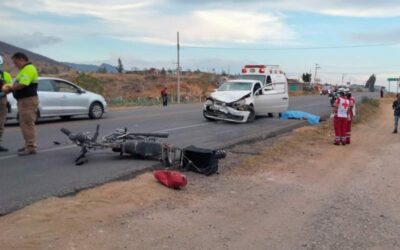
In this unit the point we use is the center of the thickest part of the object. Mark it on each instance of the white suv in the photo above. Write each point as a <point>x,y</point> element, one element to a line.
<point>242,100</point>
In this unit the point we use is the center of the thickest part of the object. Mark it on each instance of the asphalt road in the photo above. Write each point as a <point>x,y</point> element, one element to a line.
<point>24,180</point>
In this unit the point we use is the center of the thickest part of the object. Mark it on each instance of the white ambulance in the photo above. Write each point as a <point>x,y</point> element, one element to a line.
<point>260,90</point>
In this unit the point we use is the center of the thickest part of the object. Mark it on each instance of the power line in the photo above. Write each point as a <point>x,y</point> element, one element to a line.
<point>292,48</point>
<point>356,73</point>
<point>358,67</point>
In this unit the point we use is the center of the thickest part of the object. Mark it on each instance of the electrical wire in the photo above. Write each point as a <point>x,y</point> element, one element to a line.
<point>357,67</point>
<point>291,48</point>
<point>357,73</point>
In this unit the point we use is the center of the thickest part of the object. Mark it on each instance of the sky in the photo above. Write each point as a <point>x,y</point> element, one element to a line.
<point>214,35</point>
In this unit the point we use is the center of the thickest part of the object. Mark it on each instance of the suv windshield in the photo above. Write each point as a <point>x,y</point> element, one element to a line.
<point>260,78</point>
<point>235,86</point>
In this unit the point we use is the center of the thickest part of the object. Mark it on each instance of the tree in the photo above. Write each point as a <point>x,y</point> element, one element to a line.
<point>370,84</point>
<point>163,72</point>
<point>120,67</point>
<point>306,77</point>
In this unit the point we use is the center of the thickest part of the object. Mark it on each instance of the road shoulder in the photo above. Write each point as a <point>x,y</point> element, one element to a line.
<point>297,191</point>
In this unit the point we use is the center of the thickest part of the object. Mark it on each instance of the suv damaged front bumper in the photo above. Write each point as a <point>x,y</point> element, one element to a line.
<point>225,113</point>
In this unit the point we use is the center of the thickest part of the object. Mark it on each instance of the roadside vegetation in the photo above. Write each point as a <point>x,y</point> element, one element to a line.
<point>143,88</point>
<point>295,144</point>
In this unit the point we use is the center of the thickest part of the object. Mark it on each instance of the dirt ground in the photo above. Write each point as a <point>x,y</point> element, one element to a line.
<point>294,192</point>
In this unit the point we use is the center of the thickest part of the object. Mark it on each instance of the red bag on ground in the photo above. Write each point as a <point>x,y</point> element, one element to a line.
<point>171,179</point>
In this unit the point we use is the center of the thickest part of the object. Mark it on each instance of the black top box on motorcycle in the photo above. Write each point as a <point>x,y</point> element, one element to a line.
<point>200,160</point>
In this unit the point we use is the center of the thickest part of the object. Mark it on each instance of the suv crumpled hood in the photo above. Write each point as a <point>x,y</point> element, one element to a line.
<point>229,96</point>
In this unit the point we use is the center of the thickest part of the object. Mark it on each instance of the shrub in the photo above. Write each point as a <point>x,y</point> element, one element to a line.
<point>90,83</point>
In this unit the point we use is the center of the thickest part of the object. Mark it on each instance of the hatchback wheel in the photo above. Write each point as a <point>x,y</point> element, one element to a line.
<point>252,115</point>
<point>96,111</point>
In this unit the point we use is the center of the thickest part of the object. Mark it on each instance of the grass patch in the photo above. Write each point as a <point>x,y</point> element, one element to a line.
<point>367,108</point>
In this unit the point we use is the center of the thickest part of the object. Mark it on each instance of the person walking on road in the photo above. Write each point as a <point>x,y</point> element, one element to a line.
<point>382,92</point>
<point>5,80</point>
<point>164,96</point>
<point>24,91</point>
<point>352,113</point>
<point>396,108</point>
<point>340,117</point>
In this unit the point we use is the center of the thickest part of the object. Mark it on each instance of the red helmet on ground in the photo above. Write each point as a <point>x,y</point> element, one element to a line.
<point>171,179</point>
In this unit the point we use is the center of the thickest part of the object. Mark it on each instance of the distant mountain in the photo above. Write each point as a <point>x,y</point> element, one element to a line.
<point>44,64</point>
<point>110,68</point>
<point>83,67</point>
<point>91,67</point>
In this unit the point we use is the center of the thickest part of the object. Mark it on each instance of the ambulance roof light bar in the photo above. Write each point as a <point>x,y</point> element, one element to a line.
<point>259,66</point>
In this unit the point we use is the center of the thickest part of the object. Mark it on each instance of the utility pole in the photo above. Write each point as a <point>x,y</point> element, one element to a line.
<point>343,77</point>
<point>178,70</point>
<point>317,67</point>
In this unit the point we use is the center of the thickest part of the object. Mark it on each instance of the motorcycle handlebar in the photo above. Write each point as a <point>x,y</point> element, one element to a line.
<point>79,137</point>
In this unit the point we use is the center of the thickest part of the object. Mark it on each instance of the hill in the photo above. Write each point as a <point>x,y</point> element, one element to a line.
<point>91,68</point>
<point>140,89</point>
<point>131,88</point>
<point>44,64</point>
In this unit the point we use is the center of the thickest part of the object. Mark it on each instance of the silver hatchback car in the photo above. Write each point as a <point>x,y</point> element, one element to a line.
<point>61,98</point>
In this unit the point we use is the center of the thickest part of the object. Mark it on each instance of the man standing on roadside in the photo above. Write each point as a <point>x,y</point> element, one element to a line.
<point>5,80</point>
<point>24,91</point>
<point>396,108</point>
<point>164,96</point>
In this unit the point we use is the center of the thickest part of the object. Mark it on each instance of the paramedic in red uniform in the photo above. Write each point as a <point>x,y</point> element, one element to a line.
<point>340,119</point>
<point>352,113</point>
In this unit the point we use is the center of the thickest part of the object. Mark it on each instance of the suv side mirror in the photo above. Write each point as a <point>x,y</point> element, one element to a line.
<point>80,91</point>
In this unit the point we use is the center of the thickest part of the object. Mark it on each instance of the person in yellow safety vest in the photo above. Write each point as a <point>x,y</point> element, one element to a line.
<point>5,79</point>
<point>24,91</point>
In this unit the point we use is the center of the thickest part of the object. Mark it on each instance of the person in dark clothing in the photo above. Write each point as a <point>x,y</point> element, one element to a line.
<point>382,92</point>
<point>396,108</point>
<point>164,96</point>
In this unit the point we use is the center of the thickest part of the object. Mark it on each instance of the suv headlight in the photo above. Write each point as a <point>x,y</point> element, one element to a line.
<point>240,103</point>
<point>209,102</point>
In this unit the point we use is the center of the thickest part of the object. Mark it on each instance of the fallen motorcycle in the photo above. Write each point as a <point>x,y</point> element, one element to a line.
<point>146,146</point>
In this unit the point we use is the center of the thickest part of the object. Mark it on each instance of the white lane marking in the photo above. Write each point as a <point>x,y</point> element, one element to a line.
<point>180,128</point>
<point>72,146</point>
